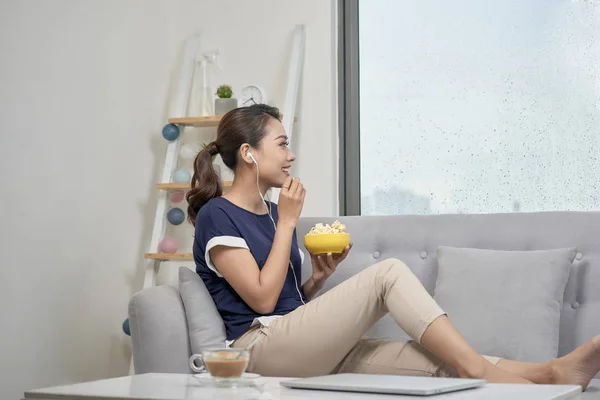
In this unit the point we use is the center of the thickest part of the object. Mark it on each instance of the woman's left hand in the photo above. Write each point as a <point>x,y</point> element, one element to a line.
<point>325,265</point>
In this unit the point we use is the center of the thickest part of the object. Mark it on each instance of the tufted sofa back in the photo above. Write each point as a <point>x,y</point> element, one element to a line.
<point>414,239</point>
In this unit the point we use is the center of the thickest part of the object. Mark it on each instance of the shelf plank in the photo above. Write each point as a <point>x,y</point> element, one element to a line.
<point>200,122</point>
<point>170,256</point>
<point>184,185</point>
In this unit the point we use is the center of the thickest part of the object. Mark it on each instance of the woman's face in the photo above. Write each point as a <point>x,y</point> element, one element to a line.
<point>274,155</point>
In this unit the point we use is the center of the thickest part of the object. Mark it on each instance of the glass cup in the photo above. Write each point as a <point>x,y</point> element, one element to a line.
<point>224,365</point>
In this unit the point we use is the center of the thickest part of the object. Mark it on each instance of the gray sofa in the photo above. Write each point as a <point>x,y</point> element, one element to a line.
<point>158,322</point>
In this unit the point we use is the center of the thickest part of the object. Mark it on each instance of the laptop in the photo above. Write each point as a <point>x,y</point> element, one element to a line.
<point>388,384</point>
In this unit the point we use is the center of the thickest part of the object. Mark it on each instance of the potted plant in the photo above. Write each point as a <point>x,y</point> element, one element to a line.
<point>225,101</point>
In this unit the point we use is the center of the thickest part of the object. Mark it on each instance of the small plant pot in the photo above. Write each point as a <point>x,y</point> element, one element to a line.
<point>223,106</point>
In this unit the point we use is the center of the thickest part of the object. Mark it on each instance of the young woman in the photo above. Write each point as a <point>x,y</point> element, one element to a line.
<point>247,254</point>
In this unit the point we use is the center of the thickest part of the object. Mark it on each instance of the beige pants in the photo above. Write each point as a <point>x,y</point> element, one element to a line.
<point>326,335</point>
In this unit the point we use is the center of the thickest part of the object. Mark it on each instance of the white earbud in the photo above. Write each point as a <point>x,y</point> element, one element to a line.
<point>252,157</point>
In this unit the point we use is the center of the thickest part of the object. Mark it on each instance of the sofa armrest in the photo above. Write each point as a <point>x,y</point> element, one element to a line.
<point>159,331</point>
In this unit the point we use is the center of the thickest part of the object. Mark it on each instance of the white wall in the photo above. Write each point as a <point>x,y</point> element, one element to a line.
<point>83,88</point>
<point>255,40</point>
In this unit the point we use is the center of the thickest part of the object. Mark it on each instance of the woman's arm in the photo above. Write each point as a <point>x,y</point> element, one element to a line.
<point>310,288</point>
<point>260,289</point>
<point>323,267</point>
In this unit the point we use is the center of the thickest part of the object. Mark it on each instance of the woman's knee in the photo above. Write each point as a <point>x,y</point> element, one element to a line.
<point>391,267</point>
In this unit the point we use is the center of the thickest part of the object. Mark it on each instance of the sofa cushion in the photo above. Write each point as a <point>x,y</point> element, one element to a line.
<point>158,328</point>
<point>505,303</point>
<point>205,326</point>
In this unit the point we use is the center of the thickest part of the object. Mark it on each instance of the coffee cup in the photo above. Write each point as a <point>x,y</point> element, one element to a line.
<point>222,364</point>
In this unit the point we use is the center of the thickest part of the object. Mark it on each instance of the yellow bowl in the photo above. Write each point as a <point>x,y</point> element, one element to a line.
<point>323,243</point>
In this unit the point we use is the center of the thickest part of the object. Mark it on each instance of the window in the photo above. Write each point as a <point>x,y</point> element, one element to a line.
<point>469,106</point>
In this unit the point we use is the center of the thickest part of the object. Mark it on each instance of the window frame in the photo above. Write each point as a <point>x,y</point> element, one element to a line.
<point>349,107</point>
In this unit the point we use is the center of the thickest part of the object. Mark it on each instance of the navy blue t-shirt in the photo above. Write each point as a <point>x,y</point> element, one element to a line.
<point>220,222</point>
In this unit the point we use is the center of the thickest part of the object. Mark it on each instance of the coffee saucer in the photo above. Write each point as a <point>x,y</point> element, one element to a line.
<point>245,375</point>
<point>247,380</point>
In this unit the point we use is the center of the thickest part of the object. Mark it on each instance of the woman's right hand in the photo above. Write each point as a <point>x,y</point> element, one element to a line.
<point>291,201</point>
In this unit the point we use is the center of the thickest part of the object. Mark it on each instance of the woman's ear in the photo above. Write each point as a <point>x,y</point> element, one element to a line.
<point>244,150</point>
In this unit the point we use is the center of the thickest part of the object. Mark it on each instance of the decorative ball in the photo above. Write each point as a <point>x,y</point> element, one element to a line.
<point>176,216</point>
<point>177,196</point>
<point>170,132</point>
<point>168,245</point>
<point>182,175</point>
<point>126,327</point>
<point>187,152</point>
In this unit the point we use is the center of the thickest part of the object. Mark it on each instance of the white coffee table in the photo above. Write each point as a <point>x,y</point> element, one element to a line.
<point>186,387</point>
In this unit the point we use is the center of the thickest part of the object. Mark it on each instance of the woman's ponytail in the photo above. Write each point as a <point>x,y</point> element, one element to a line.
<point>206,184</point>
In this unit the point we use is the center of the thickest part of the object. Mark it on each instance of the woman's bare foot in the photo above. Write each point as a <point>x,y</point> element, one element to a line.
<point>579,366</point>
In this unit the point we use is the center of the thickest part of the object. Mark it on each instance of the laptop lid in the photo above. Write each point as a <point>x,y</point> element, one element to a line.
<point>389,384</point>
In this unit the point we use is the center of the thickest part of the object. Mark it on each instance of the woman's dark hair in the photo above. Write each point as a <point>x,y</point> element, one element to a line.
<point>238,126</point>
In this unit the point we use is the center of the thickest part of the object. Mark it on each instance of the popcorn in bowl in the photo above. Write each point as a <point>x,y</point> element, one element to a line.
<point>324,239</point>
<point>336,227</point>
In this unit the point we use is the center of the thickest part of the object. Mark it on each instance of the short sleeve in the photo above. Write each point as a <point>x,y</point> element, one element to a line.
<point>216,228</point>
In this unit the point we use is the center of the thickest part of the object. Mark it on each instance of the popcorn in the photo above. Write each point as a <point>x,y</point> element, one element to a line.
<point>319,228</point>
